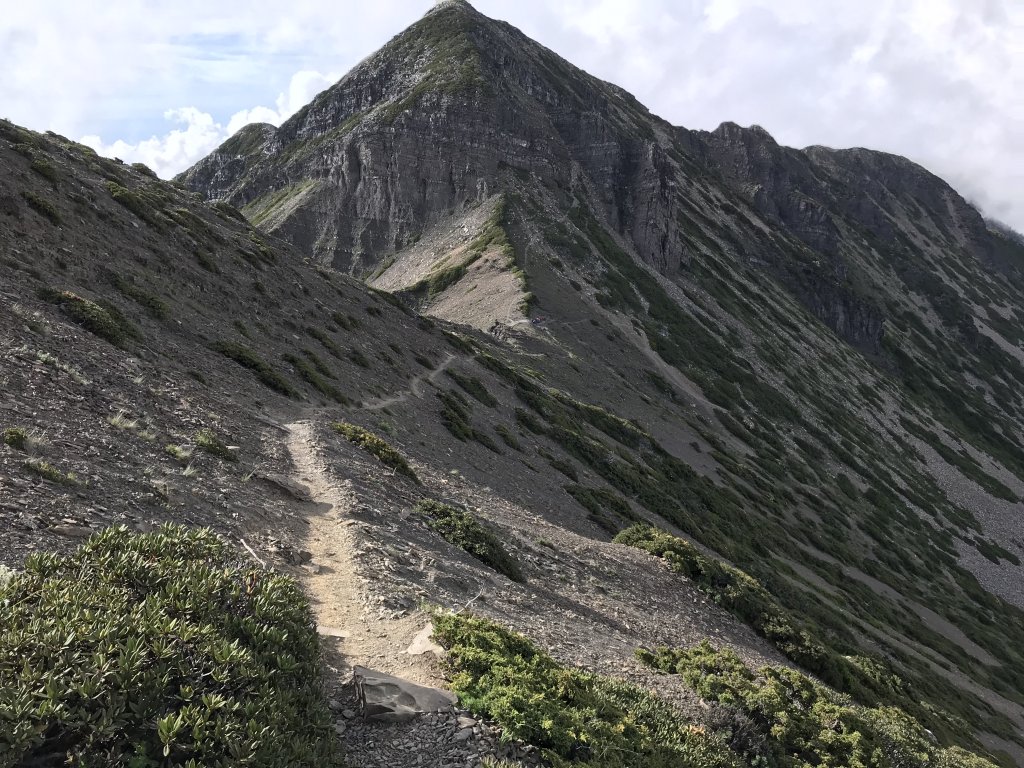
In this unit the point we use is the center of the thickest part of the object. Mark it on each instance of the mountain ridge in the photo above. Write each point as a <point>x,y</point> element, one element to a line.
<point>683,239</point>
<point>801,367</point>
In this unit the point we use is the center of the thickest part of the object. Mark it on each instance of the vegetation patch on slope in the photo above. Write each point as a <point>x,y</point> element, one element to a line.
<point>751,603</point>
<point>377,447</point>
<point>101,319</point>
<point>158,650</point>
<point>246,358</point>
<point>576,717</point>
<point>795,722</point>
<point>457,526</point>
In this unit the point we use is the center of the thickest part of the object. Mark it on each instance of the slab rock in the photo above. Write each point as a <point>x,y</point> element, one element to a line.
<point>385,697</point>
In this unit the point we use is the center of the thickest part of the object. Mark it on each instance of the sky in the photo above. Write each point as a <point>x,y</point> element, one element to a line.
<point>164,83</point>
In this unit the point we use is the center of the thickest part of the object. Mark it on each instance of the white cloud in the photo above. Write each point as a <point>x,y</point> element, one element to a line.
<point>180,148</point>
<point>936,80</point>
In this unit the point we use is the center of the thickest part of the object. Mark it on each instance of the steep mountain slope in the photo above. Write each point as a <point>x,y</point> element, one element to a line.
<point>831,339</point>
<point>805,363</point>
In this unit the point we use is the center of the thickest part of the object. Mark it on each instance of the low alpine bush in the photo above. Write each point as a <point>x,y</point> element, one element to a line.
<point>576,717</point>
<point>457,526</point>
<point>376,446</point>
<point>157,651</point>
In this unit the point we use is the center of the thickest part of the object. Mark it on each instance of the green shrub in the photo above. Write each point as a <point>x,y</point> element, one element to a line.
<point>47,471</point>
<point>370,443</point>
<point>508,438</point>
<point>145,170</point>
<point>474,387</point>
<point>607,509</point>
<point>207,441</point>
<point>802,722</point>
<point>46,169</point>
<point>457,526</point>
<point>246,358</point>
<point>577,718</point>
<point>312,374</point>
<point>152,303</point>
<point>103,320</point>
<point>158,650</point>
<point>748,600</point>
<point>16,438</point>
<point>455,415</point>
<point>42,206</point>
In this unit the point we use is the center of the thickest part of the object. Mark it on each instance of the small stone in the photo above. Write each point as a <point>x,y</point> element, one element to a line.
<point>74,531</point>
<point>334,705</point>
<point>467,722</point>
<point>348,714</point>
<point>464,735</point>
<point>340,728</point>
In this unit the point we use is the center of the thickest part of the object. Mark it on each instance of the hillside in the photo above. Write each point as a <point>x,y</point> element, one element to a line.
<point>559,316</point>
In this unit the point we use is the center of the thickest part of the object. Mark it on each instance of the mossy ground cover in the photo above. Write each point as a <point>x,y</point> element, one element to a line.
<point>158,651</point>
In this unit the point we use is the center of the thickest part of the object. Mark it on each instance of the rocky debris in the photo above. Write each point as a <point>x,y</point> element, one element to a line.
<point>292,555</point>
<point>386,697</point>
<point>448,738</point>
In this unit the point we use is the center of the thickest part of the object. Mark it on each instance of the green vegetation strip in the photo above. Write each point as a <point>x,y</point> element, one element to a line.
<point>160,650</point>
<point>98,317</point>
<point>246,358</point>
<point>780,718</point>
<point>577,718</point>
<point>375,446</point>
<point>457,526</point>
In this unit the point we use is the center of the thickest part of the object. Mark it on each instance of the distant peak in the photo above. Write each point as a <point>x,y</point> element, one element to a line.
<point>440,5</point>
<point>730,130</point>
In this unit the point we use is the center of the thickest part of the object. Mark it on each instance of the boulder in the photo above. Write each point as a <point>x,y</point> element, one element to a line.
<point>386,697</point>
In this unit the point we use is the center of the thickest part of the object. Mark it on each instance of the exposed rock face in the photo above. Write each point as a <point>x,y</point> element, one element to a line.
<point>460,107</point>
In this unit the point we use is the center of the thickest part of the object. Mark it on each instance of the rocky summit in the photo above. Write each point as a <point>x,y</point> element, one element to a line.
<point>645,446</point>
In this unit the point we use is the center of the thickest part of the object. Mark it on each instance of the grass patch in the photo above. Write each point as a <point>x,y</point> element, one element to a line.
<point>47,471</point>
<point>457,526</point>
<point>121,420</point>
<point>376,446</point>
<point>208,441</point>
<point>246,358</point>
<point>159,650</point>
<point>575,717</point>
<point>179,452</point>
